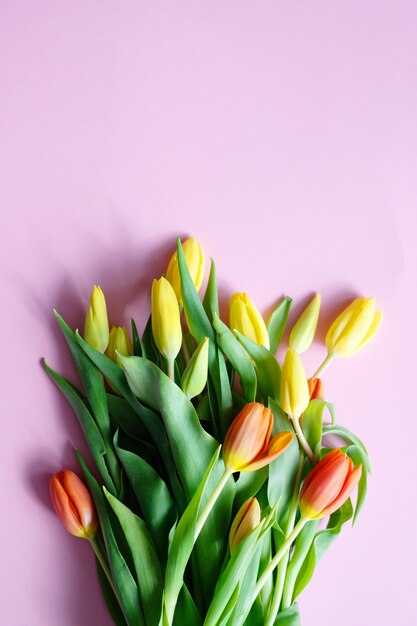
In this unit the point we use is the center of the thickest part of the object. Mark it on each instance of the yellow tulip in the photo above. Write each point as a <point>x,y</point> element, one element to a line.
<point>96,329</point>
<point>194,378</point>
<point>166,324</point>
<point>194,255</point>
<point>119,343</point>
<point>353,328</point>
<point>247,519</point>
<point>302,334</point>
<point>295,394</point>
<point>245,317</point>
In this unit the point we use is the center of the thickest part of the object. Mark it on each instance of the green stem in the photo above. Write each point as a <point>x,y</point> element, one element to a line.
<point>279,556</point>
<point>282,570</point>
<point>295,565</point>
<point>329,358</point>
<point>185,350</point>
<point>103,562</point>
<point>171,369</point>
<point>303,441</point>
<point>211,502</point>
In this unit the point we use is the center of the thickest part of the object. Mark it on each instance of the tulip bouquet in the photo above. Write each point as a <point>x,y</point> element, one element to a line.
<point>214,491</point>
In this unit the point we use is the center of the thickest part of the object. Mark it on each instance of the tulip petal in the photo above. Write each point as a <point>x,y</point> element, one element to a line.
<point>321,490</point>
<point>277,446</point>
<point>376,322</point>
<point>349,486</point>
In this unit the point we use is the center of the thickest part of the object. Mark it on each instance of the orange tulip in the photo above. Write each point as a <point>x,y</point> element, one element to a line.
<point>73,504</point>
<point>248,444</point>
<point>328,485</point>
<point>246,519</point>
<point>316,388</point>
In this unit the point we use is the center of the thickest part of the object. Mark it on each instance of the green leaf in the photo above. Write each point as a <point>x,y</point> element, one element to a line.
<point>186,613</point>
<point>155,500</point>
<point>191,445</point>
<point>244,603</point>
<point>149,418</point>
<point>147,567</point>
<point>126,418</point>
<point>359,456</point>
<point>350,438</point>
<point>137,348</point>
<point>211,297</point>
<point>312,424</point>
<point>238,357</point>
<point>183,542</point>
<point>200,327</point>
<point>268,371</point>
<point>127,590</point>
<point>110,599</point>
<point>282,471</point>
<point>233,575</point>
<point>91,432</point>
<point>277,323</point>
<point>320,543</point>
<point>289,617</point>
<point>248,485</point>
<point>96,394</point>
<point>149,349</point>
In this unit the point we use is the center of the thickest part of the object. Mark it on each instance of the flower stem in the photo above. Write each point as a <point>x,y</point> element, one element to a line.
<point>279,556</point>
<point>103,562</point>
<point>211,502</point>
<point>282,570</point>
<point>329,358</point>
<point>303,441</point>
<point>171,369</point>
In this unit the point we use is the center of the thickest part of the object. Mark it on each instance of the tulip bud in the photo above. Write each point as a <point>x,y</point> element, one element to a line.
<point>194,256</point>
<point>316,389</point>
<point>294,387</point>
<point>248,444</point>
<point>166,324</point>
<point>96,329</point>
<point>247,519</point>
<point>302,334</point>
<point>245,317</point>
<point>73,504</point>
<point>354,327</point>
<point>328,485</point>
<point>194,378</point>
<point>119,343</point>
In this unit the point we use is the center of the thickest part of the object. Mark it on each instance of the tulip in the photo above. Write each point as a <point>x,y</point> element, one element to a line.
<point>245,318</point>
<point>96,329</point>
<point>304,329</point>
<point>248,444</point>
<point>294,387</point>
<point>247,519</point>
<point>194,256</point>
<point>73,504</point>
<point>119,343</point>
<point>194,378</point>
<point>316,389</point>
<point>328,485</point>
<point>354,327</point>
<point>166,323</point>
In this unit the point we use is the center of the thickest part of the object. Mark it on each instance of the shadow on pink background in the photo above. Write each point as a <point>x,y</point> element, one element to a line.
<point>283,136</point>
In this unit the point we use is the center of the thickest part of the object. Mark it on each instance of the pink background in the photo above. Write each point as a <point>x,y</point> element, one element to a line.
<point>283,136</point>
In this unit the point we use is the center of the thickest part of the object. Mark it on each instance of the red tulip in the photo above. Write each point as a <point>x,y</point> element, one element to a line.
<point>316,388</point>
<point>248,444</point>
<point>73,504</point>
<point>328,485</point>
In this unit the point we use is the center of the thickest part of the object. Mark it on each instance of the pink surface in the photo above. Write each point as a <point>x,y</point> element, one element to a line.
<point>283,136</point>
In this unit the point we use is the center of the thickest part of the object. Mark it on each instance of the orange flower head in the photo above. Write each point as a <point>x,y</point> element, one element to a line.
<point>328,485</point>
<point>246,519</point>
<point>248,444</point>
<point>73,504</point>
<point>316,389</point>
